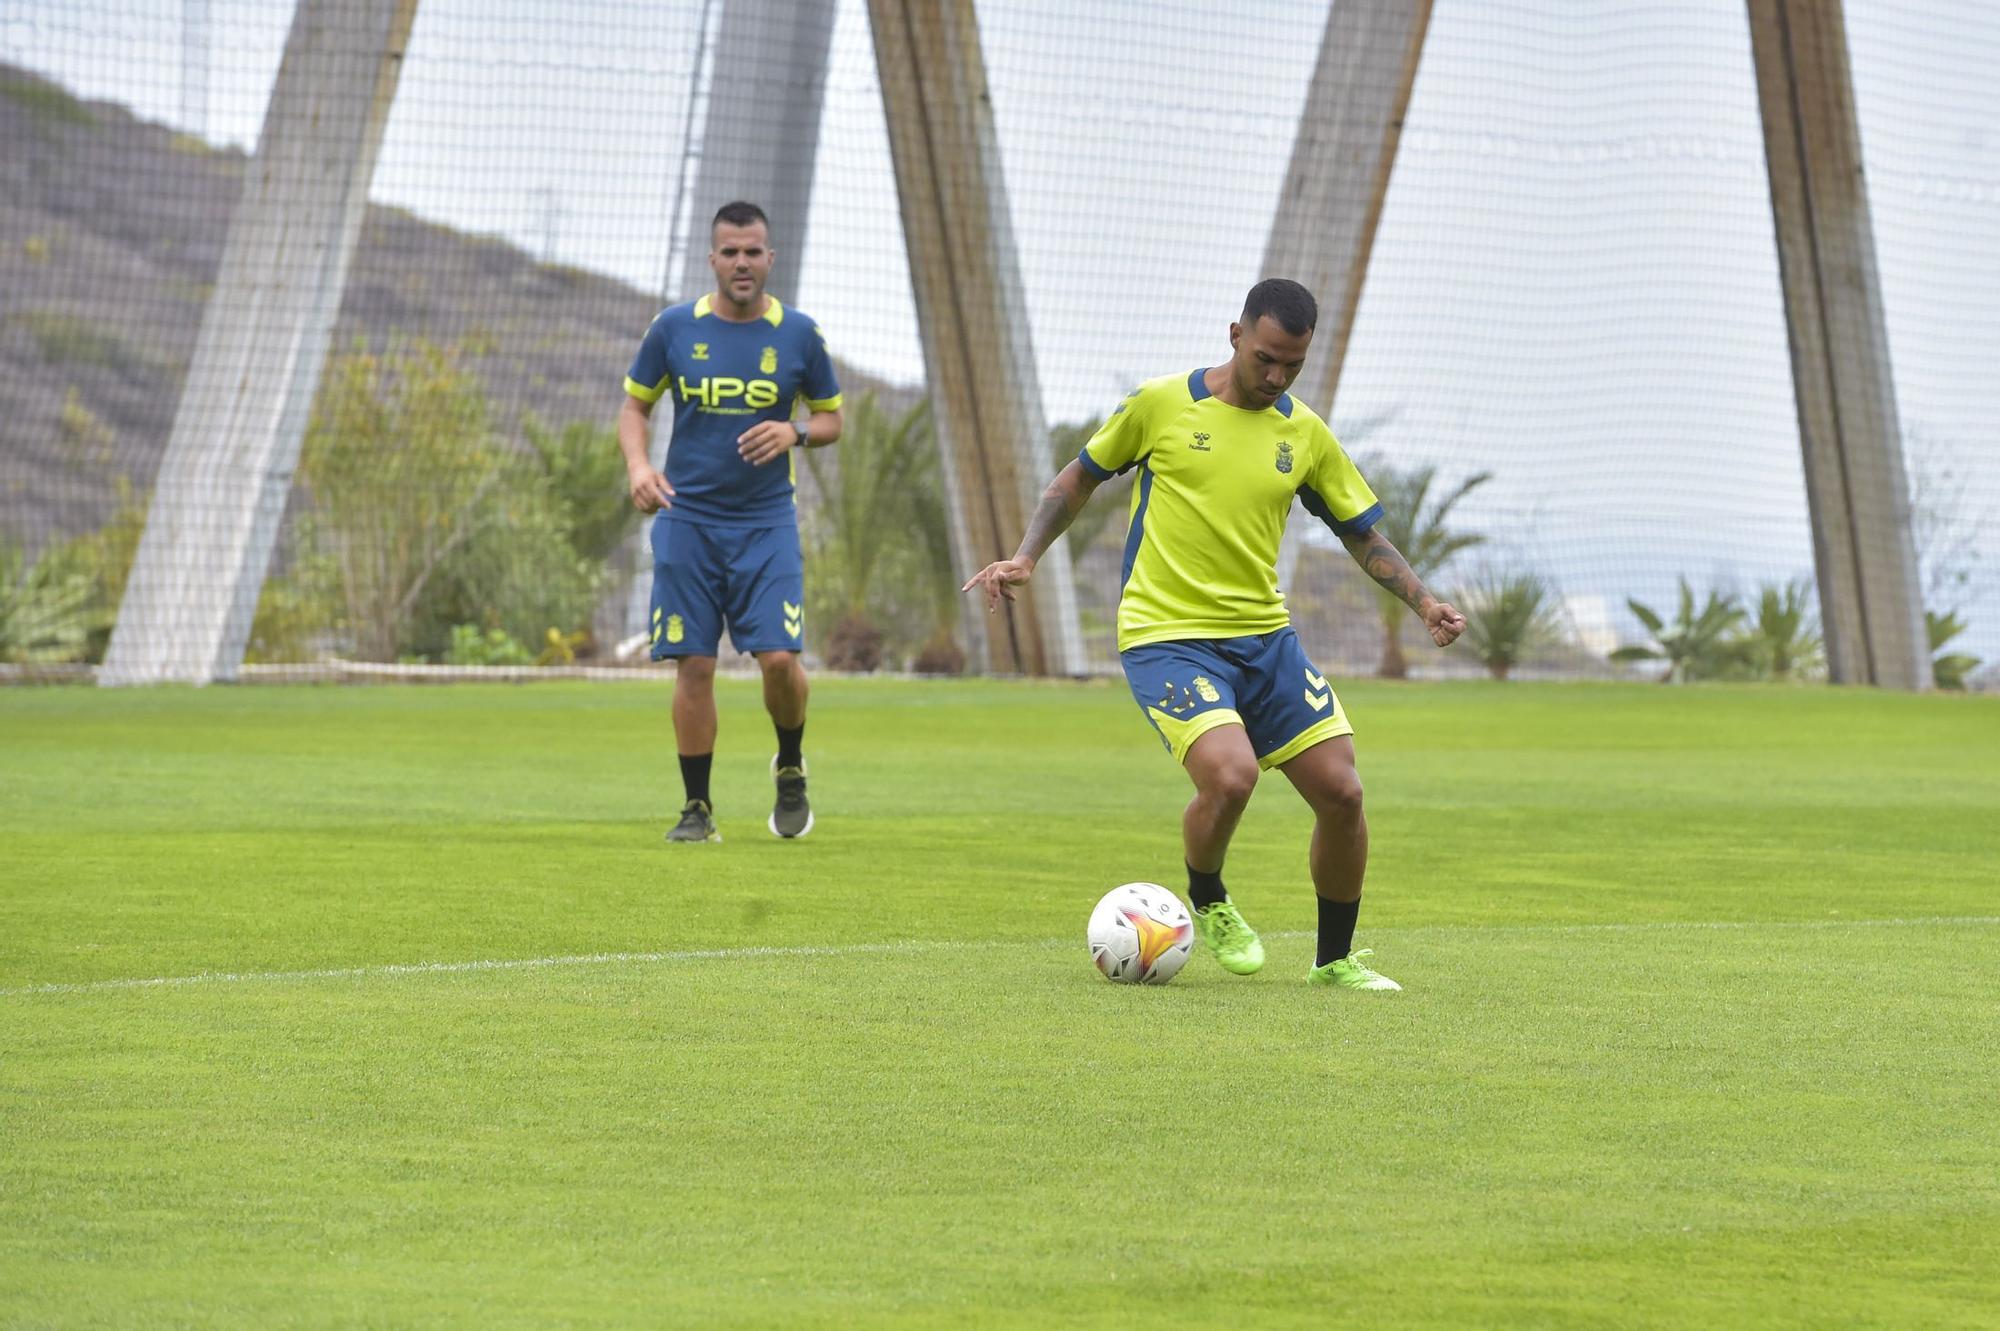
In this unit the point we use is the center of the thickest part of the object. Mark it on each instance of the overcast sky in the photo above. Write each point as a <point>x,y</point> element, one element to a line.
<point>1574,285</point>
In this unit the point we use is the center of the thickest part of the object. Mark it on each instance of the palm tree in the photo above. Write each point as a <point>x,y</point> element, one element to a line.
<point>1508,617</point>
<point>1301,533</point>
<point>585,474</point>
<point>45,608</point>
<point>882,484</point>
<point>1419,525</point>
<point>1948,671</point>
<point>1784,640</point>
<point>1696,646</point>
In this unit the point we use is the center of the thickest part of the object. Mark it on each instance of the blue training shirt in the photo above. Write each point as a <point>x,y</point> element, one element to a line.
<point>723,378</point>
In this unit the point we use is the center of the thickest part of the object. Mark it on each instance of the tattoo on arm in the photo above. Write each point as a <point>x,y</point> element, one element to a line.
<point>1051,518</point>
<point>1385,563</point>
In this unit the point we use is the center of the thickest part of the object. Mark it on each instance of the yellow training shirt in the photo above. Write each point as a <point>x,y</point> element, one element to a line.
<point>1215,486</point>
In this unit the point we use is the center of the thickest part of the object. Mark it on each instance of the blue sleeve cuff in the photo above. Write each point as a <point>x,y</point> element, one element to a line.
<point>1090,465</point>
<point>1354,526</point>
<point>1360,522</point>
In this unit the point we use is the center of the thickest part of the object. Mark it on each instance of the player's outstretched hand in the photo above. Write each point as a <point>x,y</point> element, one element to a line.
<point>999,580</point>
<point>1444,623</point>
<point>650,491</point>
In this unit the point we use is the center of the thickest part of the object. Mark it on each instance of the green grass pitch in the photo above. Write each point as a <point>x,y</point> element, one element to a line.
<point>388,1007</point>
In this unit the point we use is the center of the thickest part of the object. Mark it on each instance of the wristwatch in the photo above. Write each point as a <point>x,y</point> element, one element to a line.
<point>805,439</point>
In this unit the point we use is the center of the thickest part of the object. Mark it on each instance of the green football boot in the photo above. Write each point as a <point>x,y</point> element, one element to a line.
<point>1350,973</point>
<point>697,823</point>
<point>1223,931</point>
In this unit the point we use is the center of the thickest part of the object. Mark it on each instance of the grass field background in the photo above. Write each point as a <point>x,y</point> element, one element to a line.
<point>388,1007</point>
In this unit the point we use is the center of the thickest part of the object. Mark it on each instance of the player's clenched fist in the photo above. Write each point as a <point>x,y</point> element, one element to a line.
<point>1444,622</point>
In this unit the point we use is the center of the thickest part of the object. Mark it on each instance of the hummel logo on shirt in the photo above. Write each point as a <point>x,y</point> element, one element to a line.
<point>1200,444</point>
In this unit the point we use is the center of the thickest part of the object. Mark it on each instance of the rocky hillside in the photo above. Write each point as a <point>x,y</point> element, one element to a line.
<point>111,232</point>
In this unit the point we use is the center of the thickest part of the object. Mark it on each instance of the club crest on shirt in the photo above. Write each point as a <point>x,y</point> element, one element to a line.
<point>701,351</point>
<point>768,363</point>
<point>1285,455</point>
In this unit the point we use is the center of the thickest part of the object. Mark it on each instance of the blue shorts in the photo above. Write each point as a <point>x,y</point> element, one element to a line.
<point>749,579</point>
<point>1263,683</point>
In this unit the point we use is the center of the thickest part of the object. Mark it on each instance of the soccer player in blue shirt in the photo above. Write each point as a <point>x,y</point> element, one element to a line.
<point>734,364</point>
<point>1203,632</point>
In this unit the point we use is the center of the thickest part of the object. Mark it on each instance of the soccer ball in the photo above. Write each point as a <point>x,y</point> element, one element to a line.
<point>1140,934</point>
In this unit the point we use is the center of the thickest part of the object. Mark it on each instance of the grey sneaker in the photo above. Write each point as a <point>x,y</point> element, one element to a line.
<point>791,816</point>
<point>697,823</point>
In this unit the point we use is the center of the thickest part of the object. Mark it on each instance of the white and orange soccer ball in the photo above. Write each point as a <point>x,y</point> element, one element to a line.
<point>1140,934</point>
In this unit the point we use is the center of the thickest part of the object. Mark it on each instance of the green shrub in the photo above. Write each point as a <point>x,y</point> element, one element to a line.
<point>420,519</point>
<point>66,339</point>
<point>1783,641</point>
<point>474,646</point>
<point>47,103</point>
<point>879,572</point>
<point>1699,644</point>
<point>1949,670</point>
<point>1509,616</point>
<point>45,608</point>
<point>584,474</point>
<point>516,571</point>
<point>299,611</point>
<point>1419,523</point>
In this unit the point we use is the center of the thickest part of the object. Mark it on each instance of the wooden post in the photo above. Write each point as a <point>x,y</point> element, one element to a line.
<point>1871,602</point>
<point>986,402</point>
<point>235,443</point>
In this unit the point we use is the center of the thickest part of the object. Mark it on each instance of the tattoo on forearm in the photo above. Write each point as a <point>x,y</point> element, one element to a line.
<point>1050,519</point>
<point>1385,563</point>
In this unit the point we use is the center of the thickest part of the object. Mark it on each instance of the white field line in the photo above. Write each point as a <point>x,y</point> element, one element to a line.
<point>395,970</point>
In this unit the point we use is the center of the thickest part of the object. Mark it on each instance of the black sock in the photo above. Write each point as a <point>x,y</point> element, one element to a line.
<point>694,775</point>
<point>790,746</point>
<point>1336,928</point>
<point>1205,889</point>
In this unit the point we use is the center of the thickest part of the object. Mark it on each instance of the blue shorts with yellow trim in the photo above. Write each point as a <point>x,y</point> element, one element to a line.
<point>1265,683</point>
<point>750,579</point>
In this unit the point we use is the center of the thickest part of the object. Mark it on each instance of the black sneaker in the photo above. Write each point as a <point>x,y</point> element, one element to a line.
<point>791,816</point>
<point>697,823</point>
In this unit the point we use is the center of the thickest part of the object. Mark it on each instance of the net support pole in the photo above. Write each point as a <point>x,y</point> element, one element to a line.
<point>986,401</point>
<point>1871,604</point>
<point>1331,203</point>
<point>228,465</point>
<point>761,139</point>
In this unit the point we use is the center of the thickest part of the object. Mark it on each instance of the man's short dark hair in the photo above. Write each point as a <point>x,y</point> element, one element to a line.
<point>740,213</point>
<point>1284,300</point>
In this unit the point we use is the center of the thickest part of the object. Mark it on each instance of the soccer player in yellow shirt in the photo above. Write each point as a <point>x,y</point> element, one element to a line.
<point>1203,633</point>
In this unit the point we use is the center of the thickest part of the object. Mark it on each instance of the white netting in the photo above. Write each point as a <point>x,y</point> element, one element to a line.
<point>1574,288</point>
